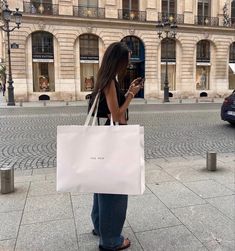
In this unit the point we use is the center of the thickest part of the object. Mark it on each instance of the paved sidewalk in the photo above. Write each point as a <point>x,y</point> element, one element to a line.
<point>136,101</point>
<point>185,207</point>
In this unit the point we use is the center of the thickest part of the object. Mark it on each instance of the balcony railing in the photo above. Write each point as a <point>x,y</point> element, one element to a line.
<point>41,8</point>
<point>207,21</point>
<point>230,22</point>
<point>89,12</point>
<point>134,15</point>
<point>172,17</point>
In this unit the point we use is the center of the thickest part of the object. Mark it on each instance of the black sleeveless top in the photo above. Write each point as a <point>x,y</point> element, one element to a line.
<point>103,109</point>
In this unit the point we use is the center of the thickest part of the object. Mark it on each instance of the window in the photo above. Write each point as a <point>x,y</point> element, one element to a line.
<point>89,60</point>
<point>168,54</point>
<point>233,12</point>
<point>41,7</point>
<point>232,66</point>
<point>203,8</point>
<point>169,7</point>
<point>130,4</point>
<point>43,62</point>
<point>168,50</point>
<point>203,51</point>
<point>88,3</point>
<point>203,65</point>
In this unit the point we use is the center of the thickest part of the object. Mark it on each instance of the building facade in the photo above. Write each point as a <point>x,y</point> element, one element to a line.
<point>61,44</point>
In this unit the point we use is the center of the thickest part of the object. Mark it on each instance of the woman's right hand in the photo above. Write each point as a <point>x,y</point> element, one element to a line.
<point>135,86</point>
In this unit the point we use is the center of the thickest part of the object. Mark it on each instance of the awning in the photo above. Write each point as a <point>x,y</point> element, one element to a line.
<point>232,66</point>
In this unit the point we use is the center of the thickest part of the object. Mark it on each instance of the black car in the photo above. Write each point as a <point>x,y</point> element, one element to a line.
<point>228,109</point>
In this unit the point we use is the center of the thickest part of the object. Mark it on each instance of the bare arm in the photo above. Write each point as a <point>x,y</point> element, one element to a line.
<point>112,100</point>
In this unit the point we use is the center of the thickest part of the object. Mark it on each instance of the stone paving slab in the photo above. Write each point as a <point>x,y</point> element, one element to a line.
<point>47,236</point>
<point>7,245</point>
<point>170,239</point>
<point>171,215</point>
<point>206,223</point>
<point>174,194</point>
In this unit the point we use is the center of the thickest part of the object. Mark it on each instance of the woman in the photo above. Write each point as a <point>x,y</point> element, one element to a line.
<point>109,210</point>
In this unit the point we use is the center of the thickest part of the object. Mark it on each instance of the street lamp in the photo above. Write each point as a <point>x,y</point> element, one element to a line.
<point>6,16</point>
<point>166,30</point>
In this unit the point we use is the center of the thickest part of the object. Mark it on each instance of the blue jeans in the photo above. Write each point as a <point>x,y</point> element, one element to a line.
<point>108,217</point>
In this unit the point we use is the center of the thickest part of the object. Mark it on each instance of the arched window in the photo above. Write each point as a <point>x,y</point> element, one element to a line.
<point>232,66</point>
<point>203,65</point>
<point>89,60</point>
<point>43,62</point>
<point>136,67</point>
<point>168,54</point>
<point>203,51</point>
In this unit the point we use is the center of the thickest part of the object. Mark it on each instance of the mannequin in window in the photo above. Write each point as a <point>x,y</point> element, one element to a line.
<point>203,79</point>
<point>44,85</point>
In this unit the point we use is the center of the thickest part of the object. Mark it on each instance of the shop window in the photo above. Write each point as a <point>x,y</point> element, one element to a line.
<point>232,66</point>
<point>202,77</point>
<point>171,76</point>
<point>43,62</point>
<point>89,61</point>
<point>168,54</point>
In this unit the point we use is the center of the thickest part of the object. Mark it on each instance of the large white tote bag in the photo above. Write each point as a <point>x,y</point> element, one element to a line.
<point>100,159</point>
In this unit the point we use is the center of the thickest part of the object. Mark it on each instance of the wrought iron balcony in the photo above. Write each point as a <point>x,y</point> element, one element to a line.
<point>230,22</point>
<point>41,8</point>
<point>89,12</point>
<point>134,15</point>
<point>206,21</point>
<point>172,17</point>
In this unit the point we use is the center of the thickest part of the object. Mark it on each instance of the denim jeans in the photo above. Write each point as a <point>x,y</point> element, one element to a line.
<point>108,216</point>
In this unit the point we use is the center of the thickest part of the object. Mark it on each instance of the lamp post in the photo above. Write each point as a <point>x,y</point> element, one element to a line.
<point>6,17</point>
<point>166,30</point>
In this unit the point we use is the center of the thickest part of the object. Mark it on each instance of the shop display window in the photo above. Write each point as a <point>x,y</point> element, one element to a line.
<point>202,78</point>
<point>171,76</point>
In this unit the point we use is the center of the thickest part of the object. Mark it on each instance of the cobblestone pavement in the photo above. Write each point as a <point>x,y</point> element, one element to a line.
<point>28,135</point>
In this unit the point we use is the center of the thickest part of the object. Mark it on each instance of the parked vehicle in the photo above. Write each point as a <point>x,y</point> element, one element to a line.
<point>228,109</point>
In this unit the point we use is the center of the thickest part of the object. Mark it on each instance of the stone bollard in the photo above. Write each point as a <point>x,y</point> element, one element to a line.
<point>7,180</point>
<point>211,161</point>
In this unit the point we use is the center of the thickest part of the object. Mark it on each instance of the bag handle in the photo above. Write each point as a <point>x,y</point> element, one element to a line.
<point>93,107</point>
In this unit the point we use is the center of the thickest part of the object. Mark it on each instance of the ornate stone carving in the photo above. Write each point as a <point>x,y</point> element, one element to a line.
<point>132,31</point>
<point>41,25</point>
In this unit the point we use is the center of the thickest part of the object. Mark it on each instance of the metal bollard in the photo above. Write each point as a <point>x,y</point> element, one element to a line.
<point>211,161</point>
<point>7,180</point>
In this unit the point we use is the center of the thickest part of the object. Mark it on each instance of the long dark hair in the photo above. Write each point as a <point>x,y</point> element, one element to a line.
<point>114,63</point>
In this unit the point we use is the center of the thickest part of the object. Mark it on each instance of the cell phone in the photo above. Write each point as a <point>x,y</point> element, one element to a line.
<point>140,81</point>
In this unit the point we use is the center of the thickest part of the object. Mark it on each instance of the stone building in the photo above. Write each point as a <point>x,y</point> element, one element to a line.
<point>61,43</point>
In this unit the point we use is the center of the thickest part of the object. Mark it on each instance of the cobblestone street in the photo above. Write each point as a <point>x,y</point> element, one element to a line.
<point>28,135</point>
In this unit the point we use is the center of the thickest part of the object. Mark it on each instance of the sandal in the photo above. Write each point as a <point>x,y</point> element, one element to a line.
<point>126,244</point>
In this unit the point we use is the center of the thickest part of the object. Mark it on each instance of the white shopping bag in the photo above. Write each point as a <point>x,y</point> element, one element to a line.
<point>100,159</point>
